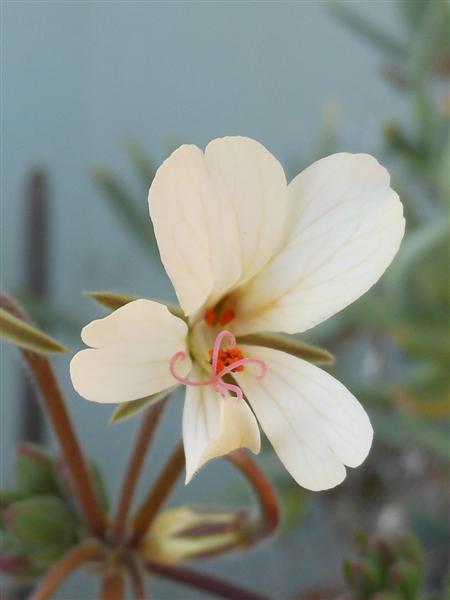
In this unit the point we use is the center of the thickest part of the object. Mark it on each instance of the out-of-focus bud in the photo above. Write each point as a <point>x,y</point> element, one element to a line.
<point>40,522</point>
<point>354,575</point>
<point>387,596</point>
<point>189,532</point>
<point>34,471</point>
<point>13,564</point>
<point>406,577</point>
<point>386,570</point>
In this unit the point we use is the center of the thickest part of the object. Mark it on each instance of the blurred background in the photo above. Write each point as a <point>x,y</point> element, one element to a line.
<point>96,95</point>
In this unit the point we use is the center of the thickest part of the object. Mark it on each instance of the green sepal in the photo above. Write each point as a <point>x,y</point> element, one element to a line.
<point>290,345</point>
<point>27,336</point>
<point>114,300</point>
<point>34,471</point>
<point>125,410</point>
<point>40,522</point>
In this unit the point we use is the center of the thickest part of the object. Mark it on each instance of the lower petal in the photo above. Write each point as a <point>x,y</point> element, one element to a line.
<point>214,426</point>
<point>314,423</point>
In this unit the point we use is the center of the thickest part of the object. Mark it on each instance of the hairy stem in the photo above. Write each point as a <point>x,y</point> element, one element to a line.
<point>263,490</point>
<point>157,495</point>
<point>53,400</point>
<point>217,587</point>
<point>112,586</point>
<point>141,446</point>
<point>88,550</point>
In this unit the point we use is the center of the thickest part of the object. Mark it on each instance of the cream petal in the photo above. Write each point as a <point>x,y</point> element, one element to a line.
<point>314,423</point>
<point>348,227</point>
<point>130,354</point>
<point>214,426</point>
<point>218,216</point>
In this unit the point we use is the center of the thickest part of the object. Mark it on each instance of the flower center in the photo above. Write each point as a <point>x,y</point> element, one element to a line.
<point>223,361</point>
<point>227,357</point>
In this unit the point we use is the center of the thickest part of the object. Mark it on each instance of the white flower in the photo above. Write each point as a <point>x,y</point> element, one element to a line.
<point>248,253</point>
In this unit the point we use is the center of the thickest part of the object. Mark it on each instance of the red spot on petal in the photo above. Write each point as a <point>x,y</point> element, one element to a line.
<point>227,316</point>
<point>210,316</point>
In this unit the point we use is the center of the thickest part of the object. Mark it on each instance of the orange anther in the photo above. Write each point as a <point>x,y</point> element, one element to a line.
<point>227,316</point>
<point>227,357</point>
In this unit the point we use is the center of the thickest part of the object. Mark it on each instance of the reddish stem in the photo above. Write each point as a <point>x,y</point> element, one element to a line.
<point>137,577</point>
<point>53,399</point>
<point>86,551</point>
<point>157,495</point>
<point>263,490</point>
<point>214,585</point>
<point>143,441</point>
<point>112,587</point>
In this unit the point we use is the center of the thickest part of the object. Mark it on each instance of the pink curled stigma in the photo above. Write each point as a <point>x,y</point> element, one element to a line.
<point>216,379</point>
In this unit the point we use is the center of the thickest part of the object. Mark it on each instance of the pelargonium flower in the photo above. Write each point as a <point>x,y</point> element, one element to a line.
<point>248,253</point>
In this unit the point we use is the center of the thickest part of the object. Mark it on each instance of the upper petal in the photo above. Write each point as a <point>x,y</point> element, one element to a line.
<point>314,423</point>
<point>214,426</point>
<point>130,354</point>
<point>348,227</point>
<point>218,216</point>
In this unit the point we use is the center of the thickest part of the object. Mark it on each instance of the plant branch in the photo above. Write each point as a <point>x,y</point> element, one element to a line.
<point>217,587</point>
<point>136,574</point>
<point>86,551</point>
<point>112,587</point>
<point>53,400</point>
<point>143,441</point>
<point>157,495</point>
<point>263,490</point>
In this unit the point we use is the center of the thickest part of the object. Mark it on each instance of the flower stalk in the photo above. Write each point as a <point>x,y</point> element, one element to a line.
<point>113,584</point>
<point>145,436</point>
<point>52,397</point>
<point>137,577</point>
<point>214,585</point>
<point>84,552</point>
<point>269,511</point>
<point>157,495</point>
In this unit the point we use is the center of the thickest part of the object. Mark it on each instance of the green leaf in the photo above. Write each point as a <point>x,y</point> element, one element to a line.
<point>125,410</point>
<point>124,206</point>
<point>114,300</point>
<point>288,344</point>
<point>144,167</point>
<point>366,29</point>
<point>111,300</point>
<point>26,336</point>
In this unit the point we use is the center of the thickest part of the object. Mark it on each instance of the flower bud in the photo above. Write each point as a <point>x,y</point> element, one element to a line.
<point>40,522</point>
<point>189,532</point>
<point>354,575</point>
<point>406,577</point>
<point>34,471</point>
